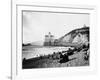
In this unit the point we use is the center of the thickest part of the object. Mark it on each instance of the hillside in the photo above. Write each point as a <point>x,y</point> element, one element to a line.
<point>74,37</point>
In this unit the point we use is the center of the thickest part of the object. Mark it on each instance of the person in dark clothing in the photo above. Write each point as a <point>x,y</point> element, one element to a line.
<point>64,58</point>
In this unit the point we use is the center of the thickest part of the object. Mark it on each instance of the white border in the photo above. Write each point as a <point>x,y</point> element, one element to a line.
<point>17,72</point>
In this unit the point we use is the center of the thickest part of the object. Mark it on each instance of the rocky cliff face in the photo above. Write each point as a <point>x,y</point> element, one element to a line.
<point>77,36</point>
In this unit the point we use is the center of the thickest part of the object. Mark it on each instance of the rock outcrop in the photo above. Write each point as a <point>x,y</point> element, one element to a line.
<point>75,37</point>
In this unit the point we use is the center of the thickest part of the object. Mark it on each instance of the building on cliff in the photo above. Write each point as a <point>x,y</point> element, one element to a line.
<point>49,40</point>
<point>73,38</point>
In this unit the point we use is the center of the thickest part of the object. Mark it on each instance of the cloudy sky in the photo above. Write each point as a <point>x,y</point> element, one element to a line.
<point>37,24</point>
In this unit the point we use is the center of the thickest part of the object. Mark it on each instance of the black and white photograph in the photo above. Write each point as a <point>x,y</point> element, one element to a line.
<point>55,39</point>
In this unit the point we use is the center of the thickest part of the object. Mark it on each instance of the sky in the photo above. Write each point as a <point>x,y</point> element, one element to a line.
<point>37,24</point>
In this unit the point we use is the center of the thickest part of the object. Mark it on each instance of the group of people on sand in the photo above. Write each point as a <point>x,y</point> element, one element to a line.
<point>63,56</point>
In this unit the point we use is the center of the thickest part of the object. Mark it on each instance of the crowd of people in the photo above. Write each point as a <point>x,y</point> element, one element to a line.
<point>63,56</point>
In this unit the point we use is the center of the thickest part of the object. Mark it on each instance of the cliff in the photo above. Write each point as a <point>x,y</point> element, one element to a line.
<point>75,37</point>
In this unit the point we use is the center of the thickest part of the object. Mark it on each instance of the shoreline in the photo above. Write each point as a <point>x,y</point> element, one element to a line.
<point>76,57</point>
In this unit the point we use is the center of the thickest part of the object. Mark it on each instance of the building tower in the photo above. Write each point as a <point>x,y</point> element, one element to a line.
<point>49,40</point>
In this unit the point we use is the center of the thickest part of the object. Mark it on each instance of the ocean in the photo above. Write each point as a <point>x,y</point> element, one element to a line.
<point>32,51</point>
